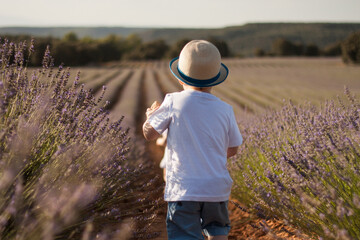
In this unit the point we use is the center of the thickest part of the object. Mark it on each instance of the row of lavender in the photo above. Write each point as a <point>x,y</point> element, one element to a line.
<point>302,165</point>
<point>66,171</point>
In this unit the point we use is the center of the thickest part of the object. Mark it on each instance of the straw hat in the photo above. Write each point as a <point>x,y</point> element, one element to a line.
<point>199,65</point>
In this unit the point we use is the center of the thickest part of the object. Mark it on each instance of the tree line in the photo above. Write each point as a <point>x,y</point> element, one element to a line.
<point>349,49</point>
<point>88,51</point>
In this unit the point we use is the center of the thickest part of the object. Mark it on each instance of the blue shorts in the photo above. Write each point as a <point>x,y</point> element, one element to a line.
<point>187,220</point>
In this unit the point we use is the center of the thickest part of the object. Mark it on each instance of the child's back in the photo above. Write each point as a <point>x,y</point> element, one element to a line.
<point>200,128</point>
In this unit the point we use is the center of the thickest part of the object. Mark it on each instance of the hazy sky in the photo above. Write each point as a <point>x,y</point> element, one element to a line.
<point>173,13</point>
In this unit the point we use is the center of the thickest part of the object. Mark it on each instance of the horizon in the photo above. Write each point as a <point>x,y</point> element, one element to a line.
<point>174,14</point>
<point>174,27</point>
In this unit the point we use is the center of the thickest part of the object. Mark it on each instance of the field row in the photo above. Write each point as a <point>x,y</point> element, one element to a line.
<point>253,86</point>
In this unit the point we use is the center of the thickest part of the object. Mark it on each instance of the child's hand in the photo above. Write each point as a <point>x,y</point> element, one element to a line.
<point>152,109</point>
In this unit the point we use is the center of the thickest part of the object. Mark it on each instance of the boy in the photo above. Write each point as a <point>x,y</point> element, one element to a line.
<point>202,134</point>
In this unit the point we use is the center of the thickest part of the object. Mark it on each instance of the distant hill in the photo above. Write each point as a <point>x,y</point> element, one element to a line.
<point>244,39</point>
<point>241,39</point>
<point>93,32</point>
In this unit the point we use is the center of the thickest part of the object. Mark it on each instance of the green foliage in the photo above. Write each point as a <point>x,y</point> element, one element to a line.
<point>333,49</point>
<point>110,48</point>
<point>351,49</point>
<point>283,47</point>
<point>132,42</point>
<point>70,37</point>
<point>74,51</point>
<point>242,40</point>
<point>259,52</point>
<point>176,48</point>
<point>221,46</point>
<point>155,44</point>
<point>149,51</point>
<point>311,50</point>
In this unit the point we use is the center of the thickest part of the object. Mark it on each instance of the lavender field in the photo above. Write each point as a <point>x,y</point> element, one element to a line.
<point>253,87</point>
<point>71,169</point>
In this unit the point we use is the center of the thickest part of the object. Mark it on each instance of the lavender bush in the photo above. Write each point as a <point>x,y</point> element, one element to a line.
<point>301,164</point>
<point>65,170</point>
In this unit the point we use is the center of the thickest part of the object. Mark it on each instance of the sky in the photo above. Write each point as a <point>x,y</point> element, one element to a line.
<point>174,13</point>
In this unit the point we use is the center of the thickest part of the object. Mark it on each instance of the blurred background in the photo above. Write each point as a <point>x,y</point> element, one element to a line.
<point>96,32</point>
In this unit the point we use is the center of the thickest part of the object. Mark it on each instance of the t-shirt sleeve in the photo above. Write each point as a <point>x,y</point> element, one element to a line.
<point>161,118</point>
<point>235,138</point>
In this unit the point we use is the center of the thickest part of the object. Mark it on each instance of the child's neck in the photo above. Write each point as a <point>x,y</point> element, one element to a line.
<point>200,89</point>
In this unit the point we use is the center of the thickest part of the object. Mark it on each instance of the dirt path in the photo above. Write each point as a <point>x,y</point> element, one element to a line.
<point>159,225</point>
<point>244,226</point>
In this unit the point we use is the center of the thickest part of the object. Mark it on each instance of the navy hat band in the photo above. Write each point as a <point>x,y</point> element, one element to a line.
<point>197,81</point>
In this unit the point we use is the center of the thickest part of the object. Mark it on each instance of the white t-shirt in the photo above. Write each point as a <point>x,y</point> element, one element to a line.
<point>201,128</point>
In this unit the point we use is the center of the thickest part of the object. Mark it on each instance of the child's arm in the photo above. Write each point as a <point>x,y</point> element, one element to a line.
<point>149,132</point>
<point>231,151</point>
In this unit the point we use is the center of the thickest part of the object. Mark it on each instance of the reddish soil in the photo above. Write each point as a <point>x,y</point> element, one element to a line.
<point>244,225</point>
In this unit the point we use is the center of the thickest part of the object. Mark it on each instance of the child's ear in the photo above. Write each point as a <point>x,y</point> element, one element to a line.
<point>181,82</point>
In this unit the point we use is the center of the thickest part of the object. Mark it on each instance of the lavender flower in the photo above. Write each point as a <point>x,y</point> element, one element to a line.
<point>63,164</point>
<point>304,160</point>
